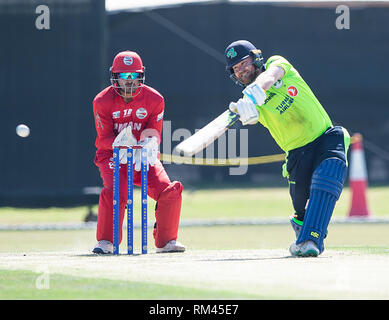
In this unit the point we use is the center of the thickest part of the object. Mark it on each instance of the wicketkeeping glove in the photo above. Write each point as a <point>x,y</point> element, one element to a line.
<point>150,146</point>
<point>125,138</point>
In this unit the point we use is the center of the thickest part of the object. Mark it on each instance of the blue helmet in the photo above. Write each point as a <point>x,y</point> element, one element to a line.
<point>239,50</point>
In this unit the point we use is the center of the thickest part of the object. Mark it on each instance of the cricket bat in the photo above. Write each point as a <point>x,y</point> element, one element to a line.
<point>208,134</point>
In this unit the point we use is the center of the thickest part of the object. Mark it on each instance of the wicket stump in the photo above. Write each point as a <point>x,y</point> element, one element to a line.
<point>130,199</point>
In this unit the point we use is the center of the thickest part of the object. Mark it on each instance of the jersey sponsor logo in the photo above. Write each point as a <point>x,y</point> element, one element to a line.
<point>269,97</point>
<point>141,113</point>
<point>278,84</point>
<point>160,116</point>
<point>127,112</point>
<point>285,104</point>
<point>127,60</point>
<point>292,91</point>
<point>116,115</point>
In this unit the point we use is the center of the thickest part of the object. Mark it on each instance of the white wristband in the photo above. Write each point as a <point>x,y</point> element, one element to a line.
<point>256,94</point>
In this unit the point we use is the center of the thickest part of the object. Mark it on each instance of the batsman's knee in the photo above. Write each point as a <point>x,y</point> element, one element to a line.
<point>329,177</point>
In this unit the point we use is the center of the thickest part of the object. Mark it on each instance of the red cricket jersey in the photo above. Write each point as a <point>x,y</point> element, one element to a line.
<point>112,115</point>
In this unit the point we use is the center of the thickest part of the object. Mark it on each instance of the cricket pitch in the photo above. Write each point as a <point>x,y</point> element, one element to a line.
<point>271,274</point>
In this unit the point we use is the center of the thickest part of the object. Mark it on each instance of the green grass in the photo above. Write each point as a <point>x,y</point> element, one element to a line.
<point>200,238</point>
<point>27,285</point>
<point>209,204</point>
<point>368,239</point>
<point>364,249</point>
<point>47,215</point>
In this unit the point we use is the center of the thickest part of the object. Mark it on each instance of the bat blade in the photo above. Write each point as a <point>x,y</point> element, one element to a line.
<point>208,134</point>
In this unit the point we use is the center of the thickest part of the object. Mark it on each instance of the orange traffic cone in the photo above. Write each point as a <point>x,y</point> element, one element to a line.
<point>358,179</point>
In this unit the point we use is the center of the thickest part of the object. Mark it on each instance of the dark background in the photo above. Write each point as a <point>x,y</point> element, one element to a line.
<point>50,77</point>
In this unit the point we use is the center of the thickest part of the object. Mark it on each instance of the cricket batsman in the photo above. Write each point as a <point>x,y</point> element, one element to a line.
<point>131,113</point>
<point>275,95</point>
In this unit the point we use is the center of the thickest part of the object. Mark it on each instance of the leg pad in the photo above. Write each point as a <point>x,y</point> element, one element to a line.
<point>326,187</point>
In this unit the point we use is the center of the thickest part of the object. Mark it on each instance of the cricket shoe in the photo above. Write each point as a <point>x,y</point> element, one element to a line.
<point>172,246</point>
<point>297,225</point>
<point>103,247</point>
<point>305,249</point>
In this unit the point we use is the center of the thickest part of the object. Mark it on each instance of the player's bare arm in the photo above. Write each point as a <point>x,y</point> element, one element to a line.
<point>267,78</point>
<point>256,91</point>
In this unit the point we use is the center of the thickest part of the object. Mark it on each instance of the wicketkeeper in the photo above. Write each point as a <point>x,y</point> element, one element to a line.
<point>275,95</point>
<point>131,113</point>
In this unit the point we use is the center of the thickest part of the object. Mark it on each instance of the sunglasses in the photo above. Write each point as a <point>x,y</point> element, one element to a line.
<point>129,75</point>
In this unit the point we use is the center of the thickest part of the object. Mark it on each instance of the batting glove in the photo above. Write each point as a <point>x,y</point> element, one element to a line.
<point>246,109</point>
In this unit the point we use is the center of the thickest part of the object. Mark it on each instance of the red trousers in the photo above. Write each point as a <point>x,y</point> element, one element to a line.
<point>167,194</point>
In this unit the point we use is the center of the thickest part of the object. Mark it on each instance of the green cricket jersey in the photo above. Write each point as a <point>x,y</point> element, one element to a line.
<point>291,112</point>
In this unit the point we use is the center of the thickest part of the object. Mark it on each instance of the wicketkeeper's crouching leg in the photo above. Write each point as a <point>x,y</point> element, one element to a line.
<point>326,187</point>
<point>167,214</point>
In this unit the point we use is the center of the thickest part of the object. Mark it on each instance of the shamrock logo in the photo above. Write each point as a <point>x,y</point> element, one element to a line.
<point>231,53</point>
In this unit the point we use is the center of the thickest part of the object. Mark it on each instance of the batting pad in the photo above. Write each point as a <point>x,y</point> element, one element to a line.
<point>326,187</point>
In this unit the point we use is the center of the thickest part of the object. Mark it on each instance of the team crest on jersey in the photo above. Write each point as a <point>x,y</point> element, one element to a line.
<point>141,113</point>
<point>292,91</point>
<point>127,60</point>
<point>278,84</point>
<point>116,115</point>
